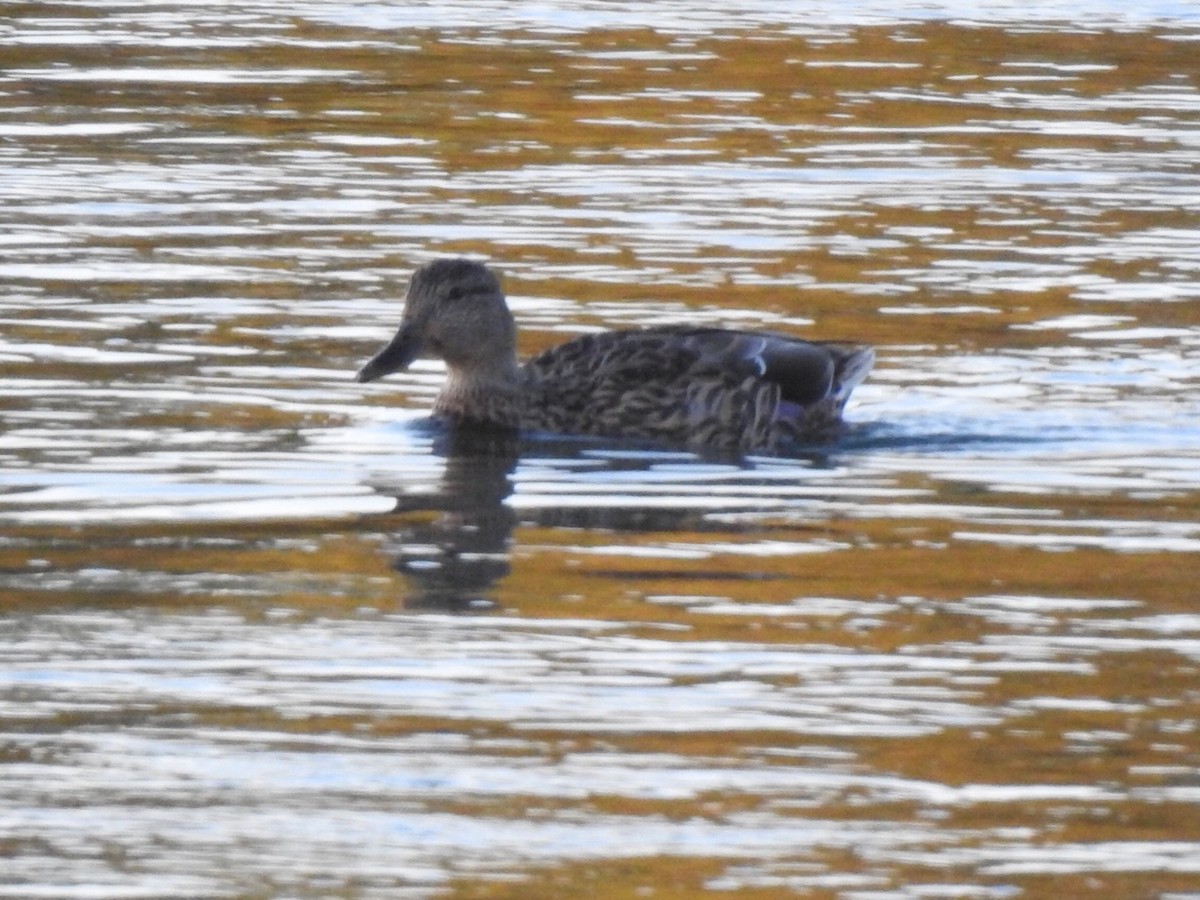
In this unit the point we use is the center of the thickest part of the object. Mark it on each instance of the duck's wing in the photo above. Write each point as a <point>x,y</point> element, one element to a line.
<point>807,372</point>
<point>703,386</point>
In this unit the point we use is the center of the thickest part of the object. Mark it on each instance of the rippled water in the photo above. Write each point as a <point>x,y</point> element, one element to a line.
<point>268,632</point>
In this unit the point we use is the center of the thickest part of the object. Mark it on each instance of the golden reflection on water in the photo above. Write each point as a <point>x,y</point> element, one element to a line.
<point>957,654</point>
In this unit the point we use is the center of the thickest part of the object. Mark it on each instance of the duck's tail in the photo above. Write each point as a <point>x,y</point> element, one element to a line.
<point>851,363</point>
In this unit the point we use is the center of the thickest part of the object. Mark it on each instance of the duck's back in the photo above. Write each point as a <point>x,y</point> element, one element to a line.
<point>700,386</point>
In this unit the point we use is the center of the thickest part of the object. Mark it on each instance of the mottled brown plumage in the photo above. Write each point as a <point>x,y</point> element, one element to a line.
<point>700,387</point>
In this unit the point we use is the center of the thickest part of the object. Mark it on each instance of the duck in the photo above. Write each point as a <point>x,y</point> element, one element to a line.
<point>691,386</point>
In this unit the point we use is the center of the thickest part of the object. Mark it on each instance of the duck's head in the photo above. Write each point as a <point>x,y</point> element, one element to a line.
<point>454,309</point>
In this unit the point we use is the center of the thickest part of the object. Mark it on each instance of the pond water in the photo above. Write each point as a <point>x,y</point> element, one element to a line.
<point>269,632</point>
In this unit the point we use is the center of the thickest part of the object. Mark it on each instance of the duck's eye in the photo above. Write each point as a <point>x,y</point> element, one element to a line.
<point>456,293</point>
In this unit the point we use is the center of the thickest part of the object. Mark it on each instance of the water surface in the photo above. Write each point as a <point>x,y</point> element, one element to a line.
<point>268,632</point>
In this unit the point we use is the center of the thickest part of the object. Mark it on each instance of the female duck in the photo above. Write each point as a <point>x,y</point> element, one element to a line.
<point>685,385</point>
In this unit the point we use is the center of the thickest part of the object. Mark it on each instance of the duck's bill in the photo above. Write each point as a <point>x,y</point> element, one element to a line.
<point>397,355</point>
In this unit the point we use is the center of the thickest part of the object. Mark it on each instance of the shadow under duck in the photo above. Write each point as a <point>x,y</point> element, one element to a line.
<point>684,385</point>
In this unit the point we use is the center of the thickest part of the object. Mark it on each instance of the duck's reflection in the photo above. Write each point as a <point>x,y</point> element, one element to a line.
<point>453,559</point>
<point>453,536</point>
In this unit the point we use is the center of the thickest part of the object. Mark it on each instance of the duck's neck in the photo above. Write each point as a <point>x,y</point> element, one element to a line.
<point>483,394</point>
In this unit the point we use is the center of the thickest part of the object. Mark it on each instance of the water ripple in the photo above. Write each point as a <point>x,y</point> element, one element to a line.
<point>952,652</point>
